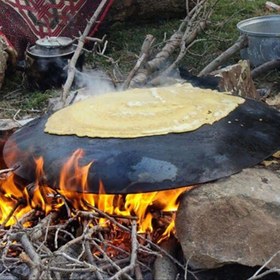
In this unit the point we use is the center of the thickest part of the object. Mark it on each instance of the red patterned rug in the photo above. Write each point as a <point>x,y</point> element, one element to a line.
<point>24,21</point>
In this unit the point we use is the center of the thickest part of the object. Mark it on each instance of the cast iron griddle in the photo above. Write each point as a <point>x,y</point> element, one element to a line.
<point>244,138</point>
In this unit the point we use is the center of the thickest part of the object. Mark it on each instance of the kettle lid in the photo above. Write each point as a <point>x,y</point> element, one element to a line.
<point>54,42</point>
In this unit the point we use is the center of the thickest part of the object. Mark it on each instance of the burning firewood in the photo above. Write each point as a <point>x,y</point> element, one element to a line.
<point>56,232</point>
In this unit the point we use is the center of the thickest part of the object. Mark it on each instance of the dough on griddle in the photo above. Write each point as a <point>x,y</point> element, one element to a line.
<point>143,112</point>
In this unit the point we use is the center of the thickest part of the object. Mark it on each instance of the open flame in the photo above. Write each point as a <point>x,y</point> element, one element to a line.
<point>147,208</point>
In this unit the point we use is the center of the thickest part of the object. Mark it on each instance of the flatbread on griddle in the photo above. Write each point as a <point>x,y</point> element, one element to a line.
<point>143,112</point>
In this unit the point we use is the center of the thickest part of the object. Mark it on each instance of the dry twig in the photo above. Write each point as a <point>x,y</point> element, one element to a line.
<point>142,59</point>
<point>86,252</point>
<point>194,22</point>
<point>73,61</point>
<point>134,248</point>
<point>32,258</point>
<point>238,45</point>
<point>259,275</point>
<point>266,67</point>
<point>8,170</point>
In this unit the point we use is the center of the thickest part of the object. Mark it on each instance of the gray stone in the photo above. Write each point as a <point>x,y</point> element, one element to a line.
<point>164,267</point>
<point>233,220</point>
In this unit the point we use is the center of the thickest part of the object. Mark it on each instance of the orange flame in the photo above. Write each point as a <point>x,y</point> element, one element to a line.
<point>72,177</point>
<point>10,197</point>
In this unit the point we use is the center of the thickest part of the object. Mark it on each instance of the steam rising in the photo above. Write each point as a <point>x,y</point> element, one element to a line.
<point>94,82</point>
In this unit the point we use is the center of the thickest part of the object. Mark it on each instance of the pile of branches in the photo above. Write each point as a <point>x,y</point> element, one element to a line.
<point>79,247</point>
<point>149,69</point>
<point>68,243</point>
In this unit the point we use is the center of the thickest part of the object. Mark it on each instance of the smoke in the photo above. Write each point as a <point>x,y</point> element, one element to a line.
<point>95,82</point>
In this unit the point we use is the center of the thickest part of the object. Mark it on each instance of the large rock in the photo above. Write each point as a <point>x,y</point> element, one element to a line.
<point>233,220</point>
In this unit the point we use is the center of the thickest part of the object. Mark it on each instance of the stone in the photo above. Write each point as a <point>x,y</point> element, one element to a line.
<point>165,268</point>
<point>232,220</point>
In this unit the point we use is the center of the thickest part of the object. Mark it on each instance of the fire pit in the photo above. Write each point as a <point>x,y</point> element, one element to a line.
<point>103,204</point>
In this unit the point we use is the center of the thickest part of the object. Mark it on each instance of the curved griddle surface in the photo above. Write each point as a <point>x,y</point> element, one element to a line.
<point>244,138</point>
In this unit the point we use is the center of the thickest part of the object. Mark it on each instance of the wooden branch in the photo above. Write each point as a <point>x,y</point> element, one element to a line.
<point>145,50</point>
<point>34,261</point>
<point>25,218</point>
<point>190,14</point>
<point>38,231</point>
<point>167,50</point>
<point>259,275</point>
<point>91,260</point>
<point>111,219</point>
<point>187,41</point>
<point>142,75</point>
<point>73,61</point>
<point>179,38</point>
<point>163,76</point>
<point>70,253</point>
<point>8,170</point>
<point>96,40</point>
<point>182,38</point>
<point>138,273</point>
<point>134,248</point>
<point>106,257</point>
<point>272,6</point>
<point>241,43</point>
<point>265,67</point>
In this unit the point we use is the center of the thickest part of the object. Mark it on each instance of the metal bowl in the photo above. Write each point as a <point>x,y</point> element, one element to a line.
<point>263,39</point>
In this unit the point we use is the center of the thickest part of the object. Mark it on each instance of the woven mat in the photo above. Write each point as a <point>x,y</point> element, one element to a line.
<point>25,21</point>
